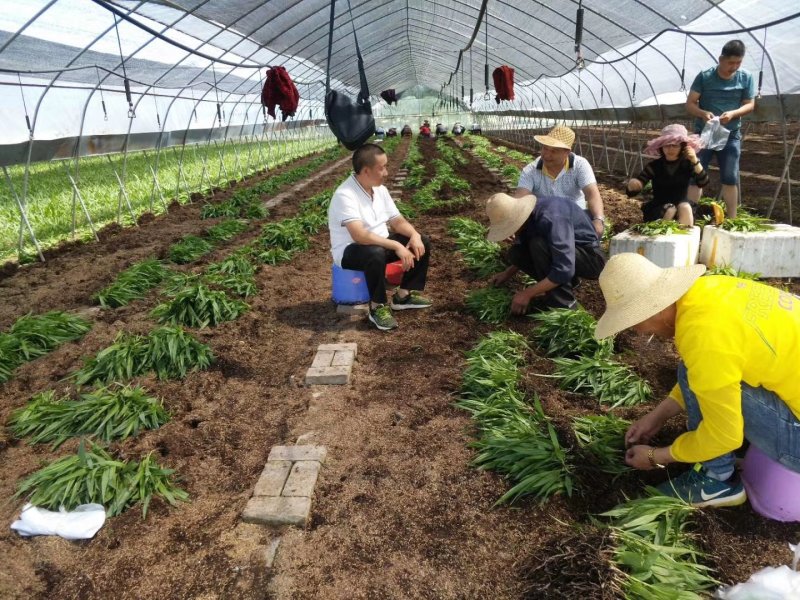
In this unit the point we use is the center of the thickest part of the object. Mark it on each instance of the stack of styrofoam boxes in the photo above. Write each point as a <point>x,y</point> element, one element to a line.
<point>773,253</point>
<point>670,250</point>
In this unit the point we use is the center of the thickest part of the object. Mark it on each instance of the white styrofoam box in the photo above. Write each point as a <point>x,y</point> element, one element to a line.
<point>774,253</point>
<point>671,250</point>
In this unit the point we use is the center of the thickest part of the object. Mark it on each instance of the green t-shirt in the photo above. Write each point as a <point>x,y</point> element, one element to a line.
<point>719,95</point>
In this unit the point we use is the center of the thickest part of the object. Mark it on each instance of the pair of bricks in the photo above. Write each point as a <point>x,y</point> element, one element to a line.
<point>332,364</point>
<point>282,495</point>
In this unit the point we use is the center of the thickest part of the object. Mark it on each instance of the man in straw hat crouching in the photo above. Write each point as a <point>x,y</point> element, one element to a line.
<point>554,242</point>
<point>560,172</point>
<point>739,345</point>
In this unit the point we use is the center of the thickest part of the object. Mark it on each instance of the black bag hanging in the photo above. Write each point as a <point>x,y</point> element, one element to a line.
<point>352,124</point>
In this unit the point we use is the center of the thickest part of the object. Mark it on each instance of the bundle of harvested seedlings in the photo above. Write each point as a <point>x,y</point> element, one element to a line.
<point>199,306</point>
<point>189,249</point>
<point>490,304</point>
<point>132,283</point>
<point>602,440</point>
<point>659,227</point>
<point>110,413</point>
<point>609,381</point>
<point>93,475</point>
<point>566,333</point>
<point>654,553</point>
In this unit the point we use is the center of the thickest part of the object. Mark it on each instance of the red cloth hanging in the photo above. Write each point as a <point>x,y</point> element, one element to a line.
<point>390,96</point>
<point>503,77</point>
<point>279,90</point>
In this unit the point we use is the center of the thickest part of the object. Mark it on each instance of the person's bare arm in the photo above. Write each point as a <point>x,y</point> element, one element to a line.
<point>746,108</point>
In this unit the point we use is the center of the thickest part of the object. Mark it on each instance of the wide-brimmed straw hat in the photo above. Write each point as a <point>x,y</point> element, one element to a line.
<point>635,289</point>
<point>673,134</point>
<point>558,137</point>
<point>507,214</point>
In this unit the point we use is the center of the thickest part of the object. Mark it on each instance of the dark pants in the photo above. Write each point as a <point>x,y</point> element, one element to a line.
<point>373,260</point>
<point>535,259</point>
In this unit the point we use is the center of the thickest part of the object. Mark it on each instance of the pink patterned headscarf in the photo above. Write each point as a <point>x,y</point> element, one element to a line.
<point>672,134</point>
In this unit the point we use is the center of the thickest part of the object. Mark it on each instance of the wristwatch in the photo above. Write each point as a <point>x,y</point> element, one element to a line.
<point>601,219</point>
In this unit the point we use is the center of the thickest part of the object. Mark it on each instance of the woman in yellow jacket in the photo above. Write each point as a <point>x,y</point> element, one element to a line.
<point>739,376</point>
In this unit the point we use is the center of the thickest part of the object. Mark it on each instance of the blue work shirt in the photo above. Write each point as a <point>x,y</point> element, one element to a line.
<point>564,225</point>
<point>719,95</point>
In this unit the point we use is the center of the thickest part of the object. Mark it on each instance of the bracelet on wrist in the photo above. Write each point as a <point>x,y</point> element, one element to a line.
<point>652,459</point>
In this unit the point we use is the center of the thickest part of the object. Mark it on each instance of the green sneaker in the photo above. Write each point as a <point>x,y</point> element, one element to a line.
<point>698,489</point>
<point>413,300</point>
<point>381,317</point>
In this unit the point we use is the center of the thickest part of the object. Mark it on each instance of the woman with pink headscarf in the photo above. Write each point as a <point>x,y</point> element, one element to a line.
<point>670,174</point>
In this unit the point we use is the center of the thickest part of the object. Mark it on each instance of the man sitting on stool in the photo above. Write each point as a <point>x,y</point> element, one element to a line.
<point>554,242</point>
<point>360,210</point>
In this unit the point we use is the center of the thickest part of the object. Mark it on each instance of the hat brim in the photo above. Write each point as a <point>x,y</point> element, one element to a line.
<point>509,226</point>
<point>653,146</point>
<point>546,140</point>
<point>673,283</point>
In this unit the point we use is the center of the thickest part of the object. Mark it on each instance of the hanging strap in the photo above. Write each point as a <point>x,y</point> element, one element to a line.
<point>363,95</point>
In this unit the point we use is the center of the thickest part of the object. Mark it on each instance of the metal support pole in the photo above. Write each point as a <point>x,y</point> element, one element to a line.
<point>77,193</point>
<point>23,215</point>
<point>122,194</point>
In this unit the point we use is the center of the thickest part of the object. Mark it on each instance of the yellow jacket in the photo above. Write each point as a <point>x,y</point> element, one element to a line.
<point>729,330</point>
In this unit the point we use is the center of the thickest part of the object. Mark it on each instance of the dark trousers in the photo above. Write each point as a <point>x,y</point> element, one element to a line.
<point>373,260</point>
<point>535,259</point>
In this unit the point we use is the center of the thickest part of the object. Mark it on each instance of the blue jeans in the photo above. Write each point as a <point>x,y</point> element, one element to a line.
<point>727,159</point>
<point>769,425</point>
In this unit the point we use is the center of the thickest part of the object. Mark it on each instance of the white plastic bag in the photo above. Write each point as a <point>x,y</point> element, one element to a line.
<point>78,524</point>
<point>714,136</point>
<point>770,583</point>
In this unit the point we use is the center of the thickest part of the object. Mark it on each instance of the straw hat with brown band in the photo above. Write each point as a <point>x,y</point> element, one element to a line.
<point>507,215</point>
<point>558,137</point>
<point>635,289</point>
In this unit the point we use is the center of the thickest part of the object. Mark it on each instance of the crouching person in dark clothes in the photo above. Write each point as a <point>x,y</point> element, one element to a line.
<point>358,218</point>
<point>554,242</point>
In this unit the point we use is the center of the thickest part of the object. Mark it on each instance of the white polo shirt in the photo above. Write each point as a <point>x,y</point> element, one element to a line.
<point>569,183</point>
<point>351,202</point>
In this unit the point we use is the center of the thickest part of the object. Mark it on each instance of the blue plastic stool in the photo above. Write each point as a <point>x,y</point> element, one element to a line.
<point>348,287</point>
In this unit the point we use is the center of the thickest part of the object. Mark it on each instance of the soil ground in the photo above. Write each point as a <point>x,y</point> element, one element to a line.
<point>398,511</point>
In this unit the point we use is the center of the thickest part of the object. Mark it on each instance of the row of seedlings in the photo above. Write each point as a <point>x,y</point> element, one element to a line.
<point>653,553</point>
<point>140,278</point>
<point>444,192</point>
<point>188,170</point>
<point>111,411</point>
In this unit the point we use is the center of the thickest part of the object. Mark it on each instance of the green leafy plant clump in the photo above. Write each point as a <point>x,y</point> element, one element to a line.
<point>227,230</point>
<point>610,382</point>
<point>169,351</point>
<point>528,453</point>
<point>33,336</point>
<point>112,413</point>
<point>199,306</point>
<point>655,555</point>
<point>659,227</point>
<point>132,283</point>
<point>746,223</point>
<point>490,304</point>
<point>732,272</point>
<point>189,249</point>
<point>569,333</point>
<point>92,475</point>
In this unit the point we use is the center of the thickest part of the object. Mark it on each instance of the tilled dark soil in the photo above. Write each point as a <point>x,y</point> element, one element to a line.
<point>398,512</point>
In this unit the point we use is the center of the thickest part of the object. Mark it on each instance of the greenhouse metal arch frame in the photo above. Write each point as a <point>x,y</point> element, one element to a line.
<point>535,41</point>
